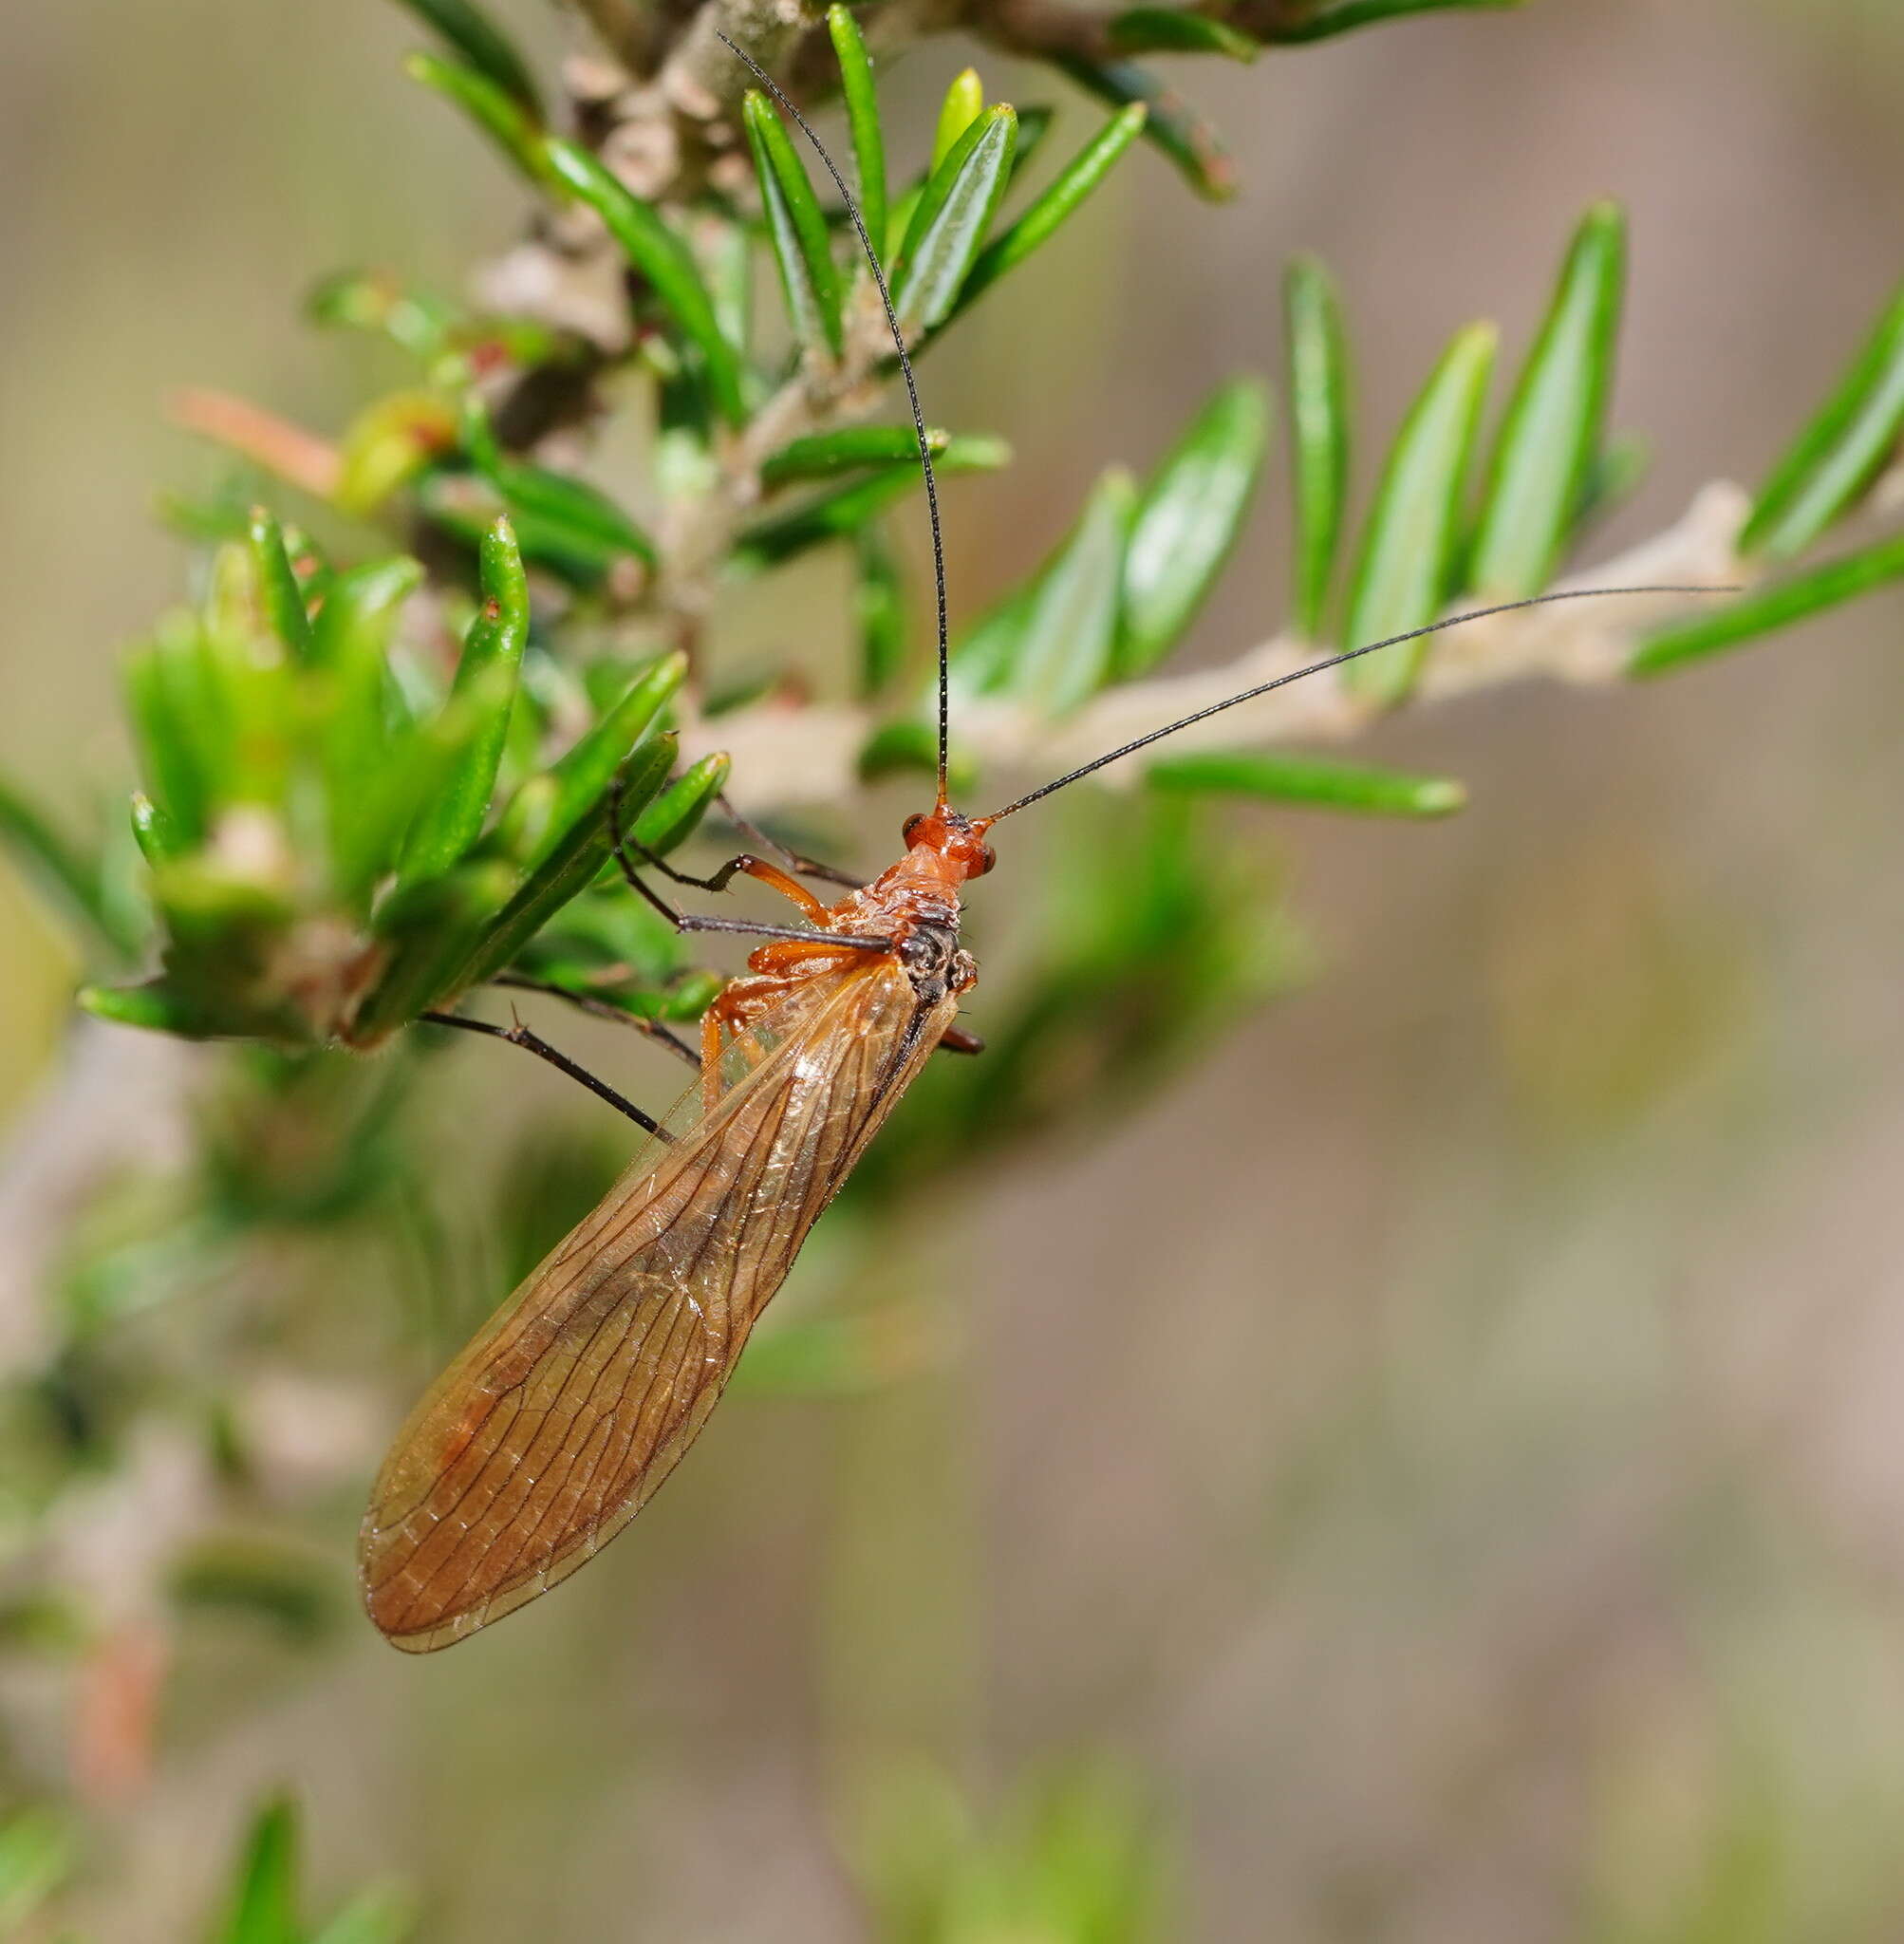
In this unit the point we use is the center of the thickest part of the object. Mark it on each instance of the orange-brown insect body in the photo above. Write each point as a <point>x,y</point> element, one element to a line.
<point>567,1411</point>
<point>913,903</point>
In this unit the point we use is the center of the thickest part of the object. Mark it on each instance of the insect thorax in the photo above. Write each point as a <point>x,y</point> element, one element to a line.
<point>935,962</point>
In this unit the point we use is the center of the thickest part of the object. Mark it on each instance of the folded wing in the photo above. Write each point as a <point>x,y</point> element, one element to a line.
<point>562,1418</point>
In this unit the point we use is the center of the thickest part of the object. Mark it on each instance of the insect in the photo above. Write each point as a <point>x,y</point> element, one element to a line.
<point>569,1410</point>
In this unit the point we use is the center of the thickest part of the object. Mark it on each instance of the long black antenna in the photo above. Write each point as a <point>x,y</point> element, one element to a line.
<point>1335,662</point>
<point>774,88</point>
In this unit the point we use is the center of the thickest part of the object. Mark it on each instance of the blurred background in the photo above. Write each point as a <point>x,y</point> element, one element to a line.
<point>1431,1474</point>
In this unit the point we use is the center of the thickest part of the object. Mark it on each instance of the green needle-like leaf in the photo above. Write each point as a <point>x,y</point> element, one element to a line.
<point>1168,30</point>
<point>1556,421</point>
<point>564,513</point>
<point>359,610</point>
<point>665,261</point>
<point>434,932</point>
<point>1172,127</point>
<point>1766,612</point>
<point>264,1903</point>
<point>571,867</point>
<point>1835,458</point>
<point>825,455</point>
<point>581,552</point>
<point>1279,776</point>
<point>159,838</point>
<point>798,228</point>
<point>948,228</point>
<point>673,816</point>
<point>483,45</point>
<point>367,775</point>
<point>583,776</point>
<point>879,605</point>
<point>898,221</point>
<point>167,700</point>
<point>1326,18</point>
<point>1072,186</point>
<point>72,882</point>
<point>963,104</point>
<point>383,1914</point>
<point>862,102</point>
<point>1404,571</point>
<point>1066,644</point>
<point>1320,418</point>
<point>985,654</point>
<point>156,1005</point>
<point>243,700</point>
<point>494,109</point>
<point>1188,521</point>
<point>484,692</point>
<point>280,598</point>
<point>847,508</point>
<point>572,513</point>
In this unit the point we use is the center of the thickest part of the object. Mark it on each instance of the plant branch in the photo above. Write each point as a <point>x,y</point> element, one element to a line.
<point>784,757</point>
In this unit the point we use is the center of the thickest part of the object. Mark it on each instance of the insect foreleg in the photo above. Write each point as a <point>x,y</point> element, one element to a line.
<point>744,866</point>
<point>519,1035</point>
<point>693,920</point>
<point>797,860</point>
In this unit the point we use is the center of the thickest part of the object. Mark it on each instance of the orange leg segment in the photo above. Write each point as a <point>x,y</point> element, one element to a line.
<point>775,879</point>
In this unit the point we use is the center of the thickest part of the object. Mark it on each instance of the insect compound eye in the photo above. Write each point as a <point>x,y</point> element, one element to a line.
<point>987,857</point>
<point>911,825</point>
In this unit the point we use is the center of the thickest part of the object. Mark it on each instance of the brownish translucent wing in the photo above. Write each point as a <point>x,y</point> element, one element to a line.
<point>567,1410</point>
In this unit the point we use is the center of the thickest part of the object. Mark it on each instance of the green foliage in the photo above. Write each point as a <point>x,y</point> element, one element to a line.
<point>658,255</point>
<point>951,219</point>
<point>1170,125</point>
<point>1187,520</point>
<point>499,114</point>
<point>862,105</point>
<point>471,33</point>
<point>1166,30</point>
<point>825,455</point>
<point>1834,462</point>
<point>1321,782</point>
<point>1320,417</point>
<point>1555,423</point>
<point>1796,598</point>
<point>1068,191</point>
<point>963,104</point>
<point>1406,570</point>
<point>333,851</point>
<point>1321,19</point>
<point>263,1906</point>
<point>801,246</point>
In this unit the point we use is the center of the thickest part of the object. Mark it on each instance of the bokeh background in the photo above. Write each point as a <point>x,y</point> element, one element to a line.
<point>1441,1460</point>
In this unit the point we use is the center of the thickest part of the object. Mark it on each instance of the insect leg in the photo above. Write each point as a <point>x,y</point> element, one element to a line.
<point>798,860</point>
<point>710,1059</point>
<point>743,866</point>
<point>957,1040</point>
<point>519,1035</point>
<point>693,920</point>
<point>601,1009</point>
